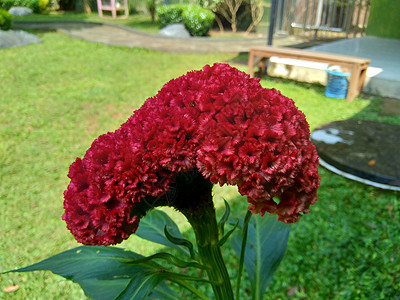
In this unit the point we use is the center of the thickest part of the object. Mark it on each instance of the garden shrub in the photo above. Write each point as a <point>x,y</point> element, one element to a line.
<point>170,14</point>
<point>7,4</point>
<point>5,20</point>
<point>42,5</point>
<point>37,6</point>
<point>197,20</point>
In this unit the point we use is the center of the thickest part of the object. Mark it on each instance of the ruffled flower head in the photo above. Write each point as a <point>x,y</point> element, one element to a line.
<point>217,122</point>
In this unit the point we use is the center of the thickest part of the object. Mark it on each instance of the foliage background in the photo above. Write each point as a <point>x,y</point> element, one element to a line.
<point>384,19</point>
<point>37,6</point>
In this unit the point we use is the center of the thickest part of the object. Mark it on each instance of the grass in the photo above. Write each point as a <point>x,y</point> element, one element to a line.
<point>58,96</point>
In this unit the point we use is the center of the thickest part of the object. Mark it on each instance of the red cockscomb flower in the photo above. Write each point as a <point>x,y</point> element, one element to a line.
<point>218,121</point>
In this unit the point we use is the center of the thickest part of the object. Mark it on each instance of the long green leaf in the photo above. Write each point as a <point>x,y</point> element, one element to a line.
<point>176,261</point>
<point>110,289</point>
<point>140,286</point>
<point>162,291</point>
<point>152,226</point>
<point>91,262</point>
<point>102,272</point>
<point>221,223</point>
<point>242,250</point>
<point>103,289</point>
<point>266,244</point>
<point>181,242</point>
<point>146,284</point>
<point>223,240</point>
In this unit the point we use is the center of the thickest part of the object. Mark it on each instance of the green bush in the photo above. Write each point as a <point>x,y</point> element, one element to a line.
<point>5,20</point>
<point>42,5</point>
<point>170,14</point>
<point>197,20</point>
<point>6,4</point>
<point>37,6</point>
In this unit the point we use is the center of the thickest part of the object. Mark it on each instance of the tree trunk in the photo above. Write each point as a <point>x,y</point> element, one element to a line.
<point>219,23</point>
<point>86,7</point>
<point>233,23</point>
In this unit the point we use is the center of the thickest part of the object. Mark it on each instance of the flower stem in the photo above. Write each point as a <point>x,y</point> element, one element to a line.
<point>194,200</point>
<point>205,227</point>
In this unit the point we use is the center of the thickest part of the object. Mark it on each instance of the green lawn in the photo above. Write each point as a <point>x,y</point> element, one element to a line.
<point>56,97</point>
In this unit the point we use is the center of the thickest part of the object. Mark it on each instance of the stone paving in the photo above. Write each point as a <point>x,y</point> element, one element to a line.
<point>117,35</point>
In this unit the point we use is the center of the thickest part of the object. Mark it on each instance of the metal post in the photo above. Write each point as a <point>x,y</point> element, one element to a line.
<point>272,17</point>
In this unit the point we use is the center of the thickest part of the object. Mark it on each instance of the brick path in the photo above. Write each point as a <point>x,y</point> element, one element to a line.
<point>116,35</point>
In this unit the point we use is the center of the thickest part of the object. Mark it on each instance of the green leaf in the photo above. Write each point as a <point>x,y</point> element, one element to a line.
<point>103,289</point>
<point>89,262</point>
<point>152,226</point>
<point>140,286</point>
<point>181,242</point>
<point>149,283</point>
<point>223,220</point>
<point>243,244</point>
<point>266,244</point>
<point>102,272</point>
<point>170,259</point>
<point>162,291</point>
<point>223,240</point>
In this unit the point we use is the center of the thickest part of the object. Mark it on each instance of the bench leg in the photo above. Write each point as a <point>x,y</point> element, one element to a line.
<point>363,75</point>
<point>251,64</point>
<point>261,66</point>
<point>353,90</point>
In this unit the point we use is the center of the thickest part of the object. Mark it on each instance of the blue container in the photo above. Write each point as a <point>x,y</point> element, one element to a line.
<point>337,84</point>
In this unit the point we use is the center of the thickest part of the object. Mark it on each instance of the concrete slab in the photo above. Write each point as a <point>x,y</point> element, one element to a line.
<point>383,77</point>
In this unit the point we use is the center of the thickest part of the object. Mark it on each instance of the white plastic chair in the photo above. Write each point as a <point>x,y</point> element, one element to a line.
<point>113,6</point>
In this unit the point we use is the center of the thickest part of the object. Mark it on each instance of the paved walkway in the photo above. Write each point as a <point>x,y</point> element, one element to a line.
<point>116,35</point>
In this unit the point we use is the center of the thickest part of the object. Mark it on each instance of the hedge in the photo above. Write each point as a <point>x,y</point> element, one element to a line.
<point>5,20</point>
<point>197,20</point>
<point>170,14</point>
<point>37,6</point>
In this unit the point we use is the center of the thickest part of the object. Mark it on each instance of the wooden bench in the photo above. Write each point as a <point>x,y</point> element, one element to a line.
<point>356,66</point>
